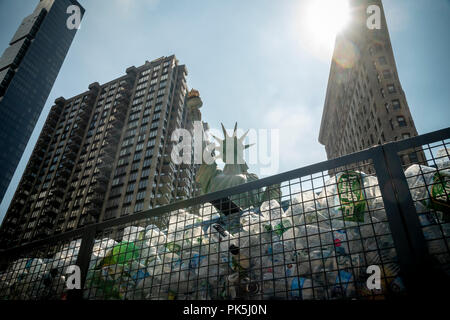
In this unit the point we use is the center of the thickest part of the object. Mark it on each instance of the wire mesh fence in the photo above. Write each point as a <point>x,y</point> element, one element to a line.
<point>327,231</point>
<point>429,186</point>
<point>39,273</point>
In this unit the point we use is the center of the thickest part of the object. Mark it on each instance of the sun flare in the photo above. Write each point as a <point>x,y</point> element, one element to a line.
<point>321,21</point>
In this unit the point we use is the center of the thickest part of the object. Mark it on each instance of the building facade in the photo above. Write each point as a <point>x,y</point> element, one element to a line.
<point>105,153</point>
<point>365,104</point>
<point>28,69</point>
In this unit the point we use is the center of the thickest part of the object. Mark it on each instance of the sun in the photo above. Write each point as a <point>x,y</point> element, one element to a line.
<point>320,21</point>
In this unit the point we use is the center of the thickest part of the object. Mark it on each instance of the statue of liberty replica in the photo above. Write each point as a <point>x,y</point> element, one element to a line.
<point>235,172</point>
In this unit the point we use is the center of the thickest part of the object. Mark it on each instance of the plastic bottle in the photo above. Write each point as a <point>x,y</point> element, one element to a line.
<point>221,238</point>
<point>239,260</point>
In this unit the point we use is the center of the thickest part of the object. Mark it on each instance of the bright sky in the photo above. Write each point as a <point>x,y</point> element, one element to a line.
<point>258,62</point>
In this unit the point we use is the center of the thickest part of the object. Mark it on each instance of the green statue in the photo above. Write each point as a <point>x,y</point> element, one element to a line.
<point>235,172</point>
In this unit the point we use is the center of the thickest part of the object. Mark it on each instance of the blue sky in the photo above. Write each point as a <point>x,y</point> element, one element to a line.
<point>251,61</point>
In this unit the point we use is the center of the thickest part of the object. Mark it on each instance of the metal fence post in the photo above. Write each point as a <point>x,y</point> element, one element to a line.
<point>426,278</point>
<point>399,233</point>
<point>83,259</point>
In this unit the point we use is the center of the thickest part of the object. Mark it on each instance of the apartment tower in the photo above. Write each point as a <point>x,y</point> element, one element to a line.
<point>105,153</point>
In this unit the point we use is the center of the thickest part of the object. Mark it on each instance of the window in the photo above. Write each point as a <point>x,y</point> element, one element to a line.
<point>139,206</point>
<point>137,156</point>
<point>151,143</point>
<point>145,173</point>
<point>391,88</point>
<point>133,177</point>
<point>401,121</point>
<point>406,135</point>
<point>396,104</point>
<point>147,163</point>
<point>387,74</point>
<point>125,210</point>
<point>140,195</point>
<point>130,187</point>
<point>382,60</point>
<point>143,184</point>
<point>128,198</point>
<point>413,157</point>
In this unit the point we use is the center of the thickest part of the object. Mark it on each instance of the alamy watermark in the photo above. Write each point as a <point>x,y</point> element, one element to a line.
<point>74,20</point>
<point>374,280</point>
<point>196,147</point>
<point>374,19</point>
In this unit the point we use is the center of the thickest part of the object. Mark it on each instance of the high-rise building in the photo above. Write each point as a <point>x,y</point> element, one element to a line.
<point>105,153</point>
<point>28,69</point>
<point>365,104</point>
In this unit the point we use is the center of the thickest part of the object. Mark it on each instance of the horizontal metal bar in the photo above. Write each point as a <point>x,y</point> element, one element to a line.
<point>421,140</point>
<point>210,197</point>
<point>264,182</point>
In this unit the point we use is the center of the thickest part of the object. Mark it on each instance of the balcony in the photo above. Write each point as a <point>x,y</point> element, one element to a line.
<point>162,199</point>
<point>90,99</point>
<point>182,192</point>
<point>112,138</point>
<point>105,169</point>
<point>45,222</point>
<point>183,183</point>
<point>168,168</point>
<point>100,188</point>
<point>57,192</point>
<point>85,115</point>
<point>51,212</point>
<point>76,138</point>
<point>165,188</point>
<point>106,157</point>
<point>97,198</point>
<point>184,174</point>
<point>54,202</point>
<point>110,149</point>
<point>61,182</point>
<point>64,172</point>
<point>123,99</point>
<point>165,177</point>
<point>70,154</point>
<point>73,146</point>
<point>102,179</point>
<point>43,233</point>
<point>116,123</point>
<point>93,209</point>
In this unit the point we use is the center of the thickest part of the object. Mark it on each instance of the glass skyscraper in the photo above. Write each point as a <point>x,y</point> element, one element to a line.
<point>28,69</point>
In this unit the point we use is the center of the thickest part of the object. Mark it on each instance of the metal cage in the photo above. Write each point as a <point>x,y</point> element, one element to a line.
<point>326,231</point>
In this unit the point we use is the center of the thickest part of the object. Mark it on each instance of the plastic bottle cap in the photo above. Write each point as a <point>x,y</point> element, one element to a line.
<point>252,287</point>
<point>233,249</point>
